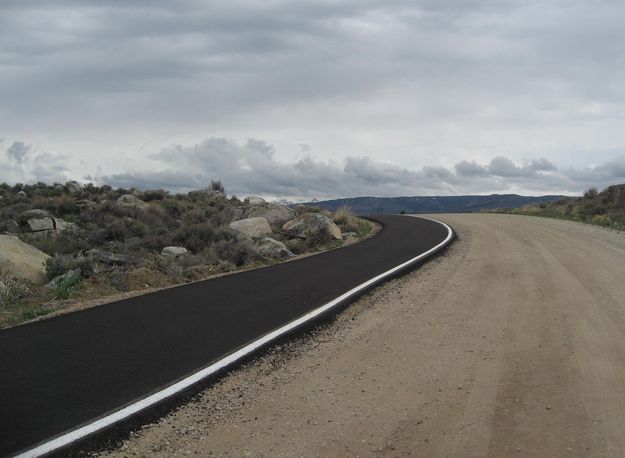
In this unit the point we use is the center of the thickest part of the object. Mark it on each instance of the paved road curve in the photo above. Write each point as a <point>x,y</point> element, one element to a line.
<point>64,372</point>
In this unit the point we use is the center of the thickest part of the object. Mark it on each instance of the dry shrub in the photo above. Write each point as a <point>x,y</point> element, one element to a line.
<point>342,215</point>
<point>12,288</point>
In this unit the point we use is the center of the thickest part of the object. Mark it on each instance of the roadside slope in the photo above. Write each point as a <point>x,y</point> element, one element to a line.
<point>511,344</point>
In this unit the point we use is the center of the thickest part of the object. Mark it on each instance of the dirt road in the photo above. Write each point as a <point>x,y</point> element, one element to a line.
<point>512,344</point>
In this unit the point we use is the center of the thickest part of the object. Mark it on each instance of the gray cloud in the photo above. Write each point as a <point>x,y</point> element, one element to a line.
<point>24,163</point>
<point>252,168</point>
<point>420,83</point>
<point>470,169</point>
<point>505,167</point>
<point>17,152</point>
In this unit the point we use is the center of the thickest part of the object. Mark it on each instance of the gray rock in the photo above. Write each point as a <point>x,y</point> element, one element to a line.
<point>270,248</point>
<point>73,186</point>
<point>62,225</point>
<point>254,200</point>
<point>211,193</point>
<point>34,213</point>
<point>27,261</point>
<point>73,274</point>
<point>276,215</point>
<point>130,201</point>
<point>251,227</point>
<point>348,235</point>
<point>40,224</point>
<point>174,251</point>
<point>22,195</point>
<point>313,222</point>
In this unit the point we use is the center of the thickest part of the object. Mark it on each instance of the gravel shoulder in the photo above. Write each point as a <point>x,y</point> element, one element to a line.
<point>511,343</point>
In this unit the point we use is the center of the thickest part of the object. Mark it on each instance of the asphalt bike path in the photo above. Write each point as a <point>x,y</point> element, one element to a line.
<point>63,373</point>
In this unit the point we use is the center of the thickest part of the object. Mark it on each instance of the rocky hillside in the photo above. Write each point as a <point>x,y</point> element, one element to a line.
<point>72,241</point>
<point>605,208</point>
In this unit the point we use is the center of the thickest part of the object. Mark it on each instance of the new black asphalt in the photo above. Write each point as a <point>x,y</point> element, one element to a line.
<point>60,373</point>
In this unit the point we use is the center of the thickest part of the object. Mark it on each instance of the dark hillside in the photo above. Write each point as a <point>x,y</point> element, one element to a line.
<point>441,204</point>
<point>605,208</point>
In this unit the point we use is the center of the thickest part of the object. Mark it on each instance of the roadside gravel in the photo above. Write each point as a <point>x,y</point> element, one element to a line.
<point>511,343</point>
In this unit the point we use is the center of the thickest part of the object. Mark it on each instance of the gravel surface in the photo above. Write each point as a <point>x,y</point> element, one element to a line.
<point>510,344</point>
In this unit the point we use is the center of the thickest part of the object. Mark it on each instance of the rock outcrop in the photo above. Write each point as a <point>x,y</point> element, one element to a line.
<point>272,249</point>
<point>174,251</point>
<point>276,215</point>
<point>312,223</point>
<point>73,186</point>
<point>130,201</point>
<point>42,223</point>
<point>27,261</point>
<point>251,227</point>
<point>254,200</point>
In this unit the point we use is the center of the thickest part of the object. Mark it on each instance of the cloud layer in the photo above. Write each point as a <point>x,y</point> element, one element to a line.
<point>419,82</point>
<point>252,168</point>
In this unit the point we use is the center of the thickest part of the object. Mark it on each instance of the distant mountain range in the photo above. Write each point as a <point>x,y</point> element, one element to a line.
<point>440,204</point>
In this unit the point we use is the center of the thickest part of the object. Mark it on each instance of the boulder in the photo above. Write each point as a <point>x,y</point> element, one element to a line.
<point>73,186</point>
<point>251,227</point>
<point>130,201</point>
<point>40,224</point>
<point>313,222</point>
<point>34,213</point>
<point>210,193</point>
<point>27,261</point>
<point>254,200</point>
<point>276,215</point>
<point>47,226</point>
<point>270,248</point>
<point>62,225</point>
<point>22,195</point>
<point>174,251</point>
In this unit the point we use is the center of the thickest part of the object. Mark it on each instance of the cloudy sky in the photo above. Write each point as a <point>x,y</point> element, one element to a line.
<point>316,98</point>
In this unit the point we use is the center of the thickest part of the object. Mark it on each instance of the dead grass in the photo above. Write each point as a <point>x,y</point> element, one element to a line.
<point>342,215</point>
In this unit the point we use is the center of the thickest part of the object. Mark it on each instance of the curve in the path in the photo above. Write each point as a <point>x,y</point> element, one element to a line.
<point>70,376</point>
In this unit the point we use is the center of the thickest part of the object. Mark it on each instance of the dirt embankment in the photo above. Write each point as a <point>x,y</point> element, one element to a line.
<point>512,344</point>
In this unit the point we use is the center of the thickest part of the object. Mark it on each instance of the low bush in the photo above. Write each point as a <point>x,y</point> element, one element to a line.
<point>64,288</point>
<point>316,239</point>
<point>60,264</point>
<point>196,237</point>
<point>12,288</point>
<point>342,215</point>
<point>236,251</point>
<point>68,241</point>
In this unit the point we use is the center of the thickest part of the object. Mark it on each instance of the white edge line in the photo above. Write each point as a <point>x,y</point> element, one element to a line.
<point>187,382</point>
